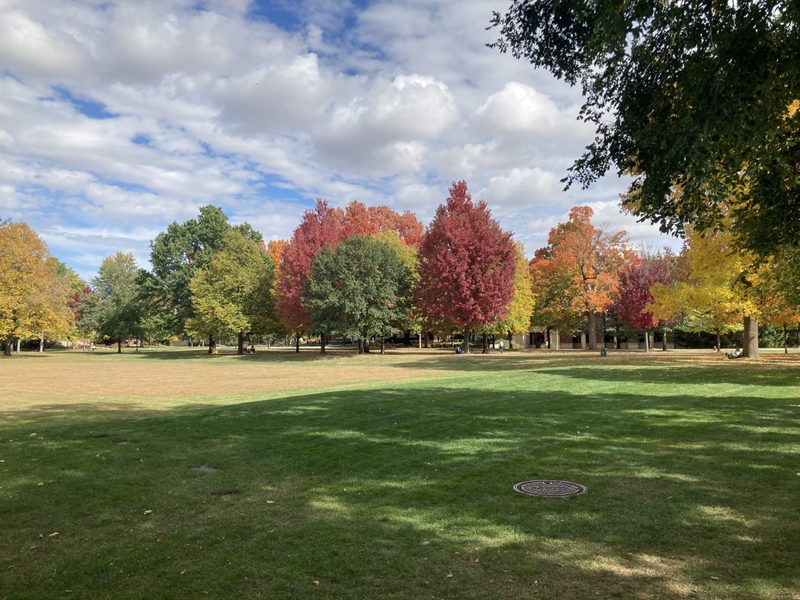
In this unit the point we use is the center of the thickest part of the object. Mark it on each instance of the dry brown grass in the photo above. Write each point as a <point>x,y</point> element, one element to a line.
<point>164,380</point>
<point>154,380</point>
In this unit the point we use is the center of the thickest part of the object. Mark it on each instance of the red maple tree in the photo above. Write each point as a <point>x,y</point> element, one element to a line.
<point>320,227</point>
<point>466,266</point>
<point>636,278</point>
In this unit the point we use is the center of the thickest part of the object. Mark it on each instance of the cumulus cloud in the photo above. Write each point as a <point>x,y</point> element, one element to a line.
<point>524,187</point>
<point>520,110</point>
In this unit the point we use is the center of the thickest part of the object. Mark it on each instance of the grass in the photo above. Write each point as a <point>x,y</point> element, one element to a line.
<point>391,477</point>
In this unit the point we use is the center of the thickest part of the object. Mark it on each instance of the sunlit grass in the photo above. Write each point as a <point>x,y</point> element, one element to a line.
<point>391,477</point>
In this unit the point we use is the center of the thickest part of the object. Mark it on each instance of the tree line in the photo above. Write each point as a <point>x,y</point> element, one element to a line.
<point>364,273</point>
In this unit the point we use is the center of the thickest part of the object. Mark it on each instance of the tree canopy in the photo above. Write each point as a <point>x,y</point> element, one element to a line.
<point>34,286</point>
<point>466,264</point>
<point>588,259</point>
<point>113,310</point>
<point>696,100</point>
<point>359,290</point>
<point>233,294</point>
<point>182,249</point>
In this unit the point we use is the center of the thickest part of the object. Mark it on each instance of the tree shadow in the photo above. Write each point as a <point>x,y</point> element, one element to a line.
<point>407,493</point>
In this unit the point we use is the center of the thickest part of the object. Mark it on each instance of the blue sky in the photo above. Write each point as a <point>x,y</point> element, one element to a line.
<point>117,118</point>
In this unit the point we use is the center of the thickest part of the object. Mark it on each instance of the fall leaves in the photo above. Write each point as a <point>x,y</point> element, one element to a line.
<point>34,293</point>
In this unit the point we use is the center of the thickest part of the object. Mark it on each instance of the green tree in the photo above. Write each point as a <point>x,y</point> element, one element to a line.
<point>233,295</point>
<point>114,309</point>
<point>696,96</point>
<point>177,253</point>
<point>360,290</point>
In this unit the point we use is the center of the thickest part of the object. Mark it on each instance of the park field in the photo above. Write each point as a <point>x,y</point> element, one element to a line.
<point>174,474</point>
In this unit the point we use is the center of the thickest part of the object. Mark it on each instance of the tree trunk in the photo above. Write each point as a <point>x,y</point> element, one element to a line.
<point>19,344</point>
<point>119,346</point>
<point>485,348</point>
<point>664,341</point>
<point>323,342</point>
<point>297,341</point>
<point>510,340</point>
<point>592,330</point>
<point>719,341</point>
<point>785,340</point>
<point>466,341</point>
<point>41,343</point>
<point>211,345</point>
<point>750,345</point>
<point>360,346</point>
<point>240,343</point>
<point>419,339</point>
<point>427,339</point>
<point>647,340</point>
<point>383,345</point>
<point>9,345</point>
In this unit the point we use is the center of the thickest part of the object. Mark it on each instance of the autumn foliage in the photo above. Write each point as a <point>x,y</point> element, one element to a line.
<point>466,264</point>
<point>587,259</point>
<point>323,226</point>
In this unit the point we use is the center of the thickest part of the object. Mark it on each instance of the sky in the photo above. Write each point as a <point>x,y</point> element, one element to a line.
<point>120,117</point>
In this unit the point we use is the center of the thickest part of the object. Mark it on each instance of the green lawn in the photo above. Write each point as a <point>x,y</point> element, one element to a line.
<point>400,486</point>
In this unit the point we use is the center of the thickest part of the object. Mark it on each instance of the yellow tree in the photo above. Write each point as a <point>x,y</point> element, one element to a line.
<point>721,286</point>
<point>48,311</point>
<point>520,309</point>
<point>30,300</point>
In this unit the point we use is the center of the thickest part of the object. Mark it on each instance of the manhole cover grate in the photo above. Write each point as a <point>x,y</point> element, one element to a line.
<point>550,487</point>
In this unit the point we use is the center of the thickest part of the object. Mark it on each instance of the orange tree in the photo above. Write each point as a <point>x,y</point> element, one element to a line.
<point>587,260</point>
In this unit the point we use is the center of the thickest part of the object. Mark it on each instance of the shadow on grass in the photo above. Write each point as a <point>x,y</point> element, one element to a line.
<point>405,493</point>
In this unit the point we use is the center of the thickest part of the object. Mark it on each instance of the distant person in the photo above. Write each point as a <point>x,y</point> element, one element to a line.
<point>738,353</point>
<point>501,346</point>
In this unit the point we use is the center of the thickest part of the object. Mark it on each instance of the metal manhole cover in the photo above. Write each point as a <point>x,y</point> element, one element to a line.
<point>552,488</point>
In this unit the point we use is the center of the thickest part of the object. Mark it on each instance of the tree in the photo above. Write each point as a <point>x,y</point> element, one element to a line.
<point>520,309</point>
<point>553,289</point>
<point>361,289</point>
<point>589,258</point>
<point>48,311</point>
<point>321,227</point>
<point>722,286</point>
<point>636,278</point>
<point>34,296</point>
<point>371,220</point>
<point>178,252</point>
<point>114,309</point>
<point>692,96</point>
<point>466,265</point>
<point>233,294</point>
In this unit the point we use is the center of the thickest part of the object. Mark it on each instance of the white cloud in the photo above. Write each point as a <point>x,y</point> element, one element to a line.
<point>386,104</point>
<point>524,187</point>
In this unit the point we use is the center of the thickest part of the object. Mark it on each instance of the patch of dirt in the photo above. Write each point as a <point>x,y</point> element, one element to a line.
<point>204,469</point>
